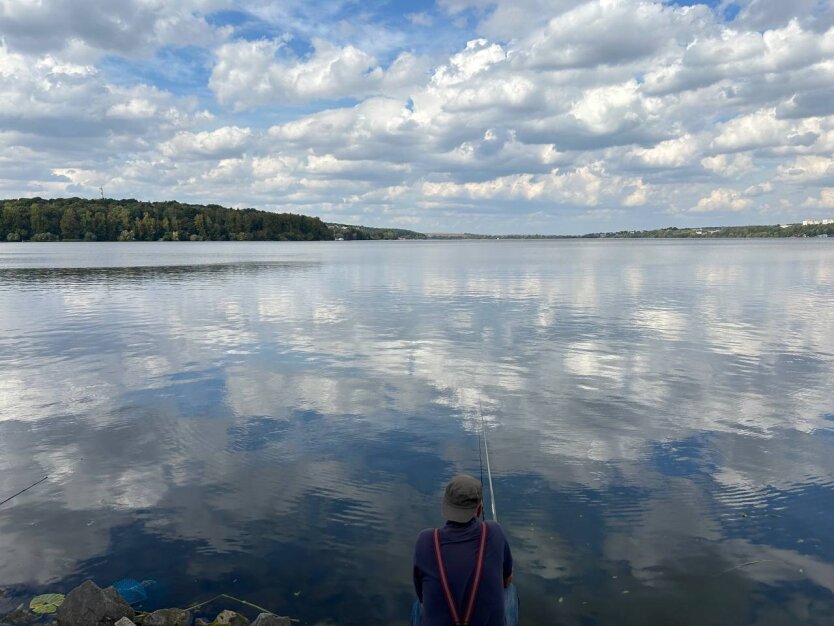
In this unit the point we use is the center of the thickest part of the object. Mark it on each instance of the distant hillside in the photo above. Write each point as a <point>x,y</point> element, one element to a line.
<point>73,219</point>
<point>349,232</point>
<point>777,230</point>
<point>673,232</point>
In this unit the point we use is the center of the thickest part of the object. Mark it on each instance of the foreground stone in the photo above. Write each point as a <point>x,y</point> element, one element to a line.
<point>89,605</point>
<point>19,616</point>
<point>267,619</point>
<point>168,617</point>
<point>230,618</point>
<point>124,622</point>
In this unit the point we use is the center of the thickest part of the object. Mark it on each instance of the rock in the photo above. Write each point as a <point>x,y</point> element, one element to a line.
<point>89,605</point>
<point>230,618</point>
<point>268,619</point>
<point>201,621</point>
<point>124,622</point>
<point>168,617</point>
<point>19,616</point>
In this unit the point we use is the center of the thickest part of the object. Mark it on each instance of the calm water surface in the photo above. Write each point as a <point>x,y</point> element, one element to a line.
<point>276,421</point>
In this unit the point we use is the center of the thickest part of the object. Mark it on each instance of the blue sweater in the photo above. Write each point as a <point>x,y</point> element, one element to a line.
<point>459,545</point>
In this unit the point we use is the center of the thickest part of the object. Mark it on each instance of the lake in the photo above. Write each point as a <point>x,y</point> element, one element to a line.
<point>276,421</point>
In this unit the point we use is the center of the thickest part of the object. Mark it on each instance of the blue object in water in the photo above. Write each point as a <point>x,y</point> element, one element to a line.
<point>132,591</point>
<point>156,592</point>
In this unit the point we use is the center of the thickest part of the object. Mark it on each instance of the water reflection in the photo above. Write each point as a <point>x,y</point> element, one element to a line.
<point>276,420</point>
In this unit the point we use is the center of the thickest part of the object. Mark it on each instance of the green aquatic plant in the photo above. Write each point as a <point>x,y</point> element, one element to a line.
<point>46,603</point>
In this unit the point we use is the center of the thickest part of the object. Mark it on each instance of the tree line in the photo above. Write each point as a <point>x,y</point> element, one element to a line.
<point>673,232</point>
<point>79,219</point>
<point>368,233</point>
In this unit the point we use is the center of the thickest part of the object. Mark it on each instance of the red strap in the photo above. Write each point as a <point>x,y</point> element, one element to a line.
<point>453,610</point>
<point>479,569</point>
<point>476,581</point>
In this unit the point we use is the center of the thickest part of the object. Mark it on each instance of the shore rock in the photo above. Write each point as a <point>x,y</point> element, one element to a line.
<point>230,618</point>
<point>19,616</point>
<point>168,617</point>
<point>124,622</point>
<point>267,619</point>
<point>89,605</point>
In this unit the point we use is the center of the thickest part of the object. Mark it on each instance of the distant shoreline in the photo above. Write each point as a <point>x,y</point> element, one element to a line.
<point>777,231</point>
<point>105,219</point>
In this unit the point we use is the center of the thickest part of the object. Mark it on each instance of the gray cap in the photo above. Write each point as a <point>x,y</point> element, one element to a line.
<point>461,499</point>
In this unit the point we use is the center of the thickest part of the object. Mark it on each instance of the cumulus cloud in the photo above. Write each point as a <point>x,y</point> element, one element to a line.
<point>766,14</point>
<point>606,32</point>
<point>45,96</point>
<point>729,165</point>
<point>722,200</point>
<point>763,129</point>
<point>805,169</point>
<point>670,153</point>
<point>249,74</point>
<point>217,143</point>
<point>825,200</point>
<point>125,27</point>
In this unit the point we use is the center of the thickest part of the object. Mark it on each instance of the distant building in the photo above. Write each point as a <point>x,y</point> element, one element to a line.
<point>817,222</point>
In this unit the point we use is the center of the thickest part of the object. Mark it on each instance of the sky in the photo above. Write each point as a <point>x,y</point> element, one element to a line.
<point>489,116</point>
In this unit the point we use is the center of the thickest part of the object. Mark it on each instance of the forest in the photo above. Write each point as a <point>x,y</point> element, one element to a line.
<point>80,219</point>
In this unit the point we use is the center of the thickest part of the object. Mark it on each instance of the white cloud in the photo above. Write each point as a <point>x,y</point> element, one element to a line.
<point>249,74</point>
<point>124,27</point>
<point>420,19</point>
<point>824,201</point>
<point>222,142</point>
<point>670,153</point>
<point>639,195</point>
<point>722,52</point>
<point>605,110</point>
<point>763,129</point>
<point>722,200</point>
<point>583,186</point>
<point>606,32</point>
<point>808,169</point>
<point>765,14</point>
<point>729,165</point>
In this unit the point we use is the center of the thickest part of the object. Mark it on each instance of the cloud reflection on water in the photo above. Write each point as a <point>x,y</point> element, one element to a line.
<point>656,390</point>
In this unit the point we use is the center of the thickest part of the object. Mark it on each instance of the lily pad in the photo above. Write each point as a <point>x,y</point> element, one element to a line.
<point>46,603</point>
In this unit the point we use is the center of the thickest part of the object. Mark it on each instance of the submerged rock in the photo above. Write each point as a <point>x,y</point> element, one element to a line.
<point>230,618</point>
<point>168,617</point>
<point>19,616</point>
<point>89,605</point>
<point>268,619</point>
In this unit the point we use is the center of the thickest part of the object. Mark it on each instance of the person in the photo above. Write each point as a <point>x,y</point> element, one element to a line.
<point>463,571</point>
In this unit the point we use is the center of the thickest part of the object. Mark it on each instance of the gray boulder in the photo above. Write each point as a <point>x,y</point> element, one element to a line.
<point>268,619</point>
<point>90,605</point>
<point>230,618</point>
<point>124,622</point>
<point>19,616</point>
<point>168,617</point>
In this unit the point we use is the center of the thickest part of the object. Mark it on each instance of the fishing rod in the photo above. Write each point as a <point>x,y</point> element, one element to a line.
<point>24,490</point>
<point>489,468</point>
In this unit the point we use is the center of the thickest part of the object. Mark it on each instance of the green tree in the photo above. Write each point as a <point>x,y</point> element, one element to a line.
<point>38,219</point>
<point>70,226</point>
<point>11,220</point>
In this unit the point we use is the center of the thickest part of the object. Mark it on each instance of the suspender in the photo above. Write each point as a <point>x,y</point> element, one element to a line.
<point>476,581</point>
